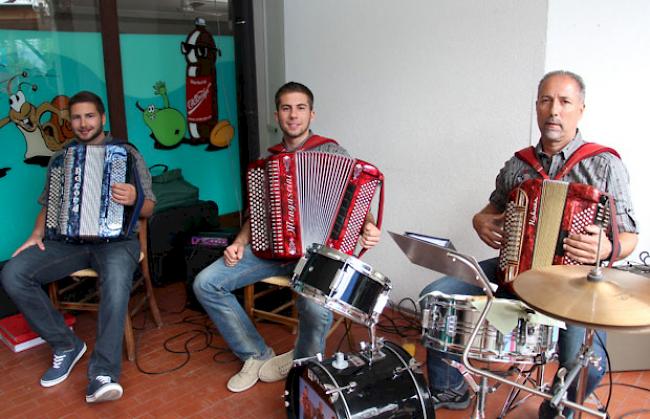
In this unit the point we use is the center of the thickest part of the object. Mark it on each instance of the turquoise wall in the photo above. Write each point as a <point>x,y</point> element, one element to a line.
<point>62,63</point>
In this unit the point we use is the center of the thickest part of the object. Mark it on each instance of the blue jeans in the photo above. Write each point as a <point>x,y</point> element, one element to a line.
<point>443,377</point>
<point>24,275</point>
<point>213,288</point>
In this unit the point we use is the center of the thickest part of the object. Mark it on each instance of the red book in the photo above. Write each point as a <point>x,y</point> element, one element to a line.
<point>17,335</point>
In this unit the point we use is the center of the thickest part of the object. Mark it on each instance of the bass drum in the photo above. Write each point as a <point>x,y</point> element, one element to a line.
<point>389,387</point>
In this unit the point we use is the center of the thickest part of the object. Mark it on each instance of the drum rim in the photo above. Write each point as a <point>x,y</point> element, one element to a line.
<point>350,260</point>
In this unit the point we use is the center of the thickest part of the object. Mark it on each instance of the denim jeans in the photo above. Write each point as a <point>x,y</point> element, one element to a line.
<point>213,288</point>
<point>443,377</point>
<point>24,275</point>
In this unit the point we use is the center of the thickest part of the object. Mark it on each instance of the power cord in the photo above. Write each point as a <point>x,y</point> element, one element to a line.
<point>205,333</point>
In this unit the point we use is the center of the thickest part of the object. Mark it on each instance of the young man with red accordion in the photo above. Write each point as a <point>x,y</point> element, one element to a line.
<point>239,267</point>
<point>560,105</point>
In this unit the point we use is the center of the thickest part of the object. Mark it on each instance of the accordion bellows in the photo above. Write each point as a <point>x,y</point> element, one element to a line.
<point>79,204</point>
<point>539,215</point>
<point>297,199</point>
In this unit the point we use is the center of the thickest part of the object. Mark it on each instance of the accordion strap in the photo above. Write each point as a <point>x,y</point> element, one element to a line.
<point>311,142</point>
<point>529,156</point>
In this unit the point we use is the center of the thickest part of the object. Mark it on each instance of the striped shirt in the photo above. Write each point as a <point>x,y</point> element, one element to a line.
<point>605,172</point>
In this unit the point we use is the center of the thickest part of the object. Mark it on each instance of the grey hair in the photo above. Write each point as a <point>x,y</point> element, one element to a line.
<point>574,76</point>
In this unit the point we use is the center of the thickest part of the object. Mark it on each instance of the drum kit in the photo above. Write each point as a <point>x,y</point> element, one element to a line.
<point>383,380</point>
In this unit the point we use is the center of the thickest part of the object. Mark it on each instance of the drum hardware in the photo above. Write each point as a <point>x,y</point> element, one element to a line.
<point>467,269</point>
<point>372,352</point>
<point>298,362</point>
<point>349,388</point>
<point>340,362</point>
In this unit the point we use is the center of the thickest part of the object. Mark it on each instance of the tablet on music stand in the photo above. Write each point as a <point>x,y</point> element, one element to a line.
<point>443,259</point>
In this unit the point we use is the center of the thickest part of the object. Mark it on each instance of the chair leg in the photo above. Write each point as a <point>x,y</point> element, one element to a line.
<point>294,311</point>
<point>151,297</point>
<point>249,301</point>
<point>129,338</point>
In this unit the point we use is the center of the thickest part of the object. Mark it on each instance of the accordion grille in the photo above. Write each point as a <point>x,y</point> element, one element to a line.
<point>322,179</point>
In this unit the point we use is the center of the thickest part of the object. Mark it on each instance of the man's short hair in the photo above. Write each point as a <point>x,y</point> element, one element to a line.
<point>87,97</point>
<point>574,76</point>
<point>293,87</point>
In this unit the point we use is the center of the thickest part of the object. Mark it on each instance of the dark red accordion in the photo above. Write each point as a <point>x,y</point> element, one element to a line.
<point>538,216</point>
<point>297,199</point>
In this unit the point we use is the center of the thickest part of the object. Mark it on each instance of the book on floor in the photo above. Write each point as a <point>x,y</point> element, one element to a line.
<point>18,336</point>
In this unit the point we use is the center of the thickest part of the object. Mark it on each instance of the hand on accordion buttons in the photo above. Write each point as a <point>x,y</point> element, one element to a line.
<point>489,228</point>
<point>123,193</point>
<point>370,235</point>
<point>584,247</point>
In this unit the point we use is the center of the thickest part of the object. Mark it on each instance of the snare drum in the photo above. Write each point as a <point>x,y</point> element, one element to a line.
<point>389,387</point>
<point>448,322</point>
<point>341,283</point>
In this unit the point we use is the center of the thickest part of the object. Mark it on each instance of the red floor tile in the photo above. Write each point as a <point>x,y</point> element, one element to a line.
<point>195,388</point>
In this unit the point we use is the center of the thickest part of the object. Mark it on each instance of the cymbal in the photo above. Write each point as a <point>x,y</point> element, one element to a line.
<point>621,301</point>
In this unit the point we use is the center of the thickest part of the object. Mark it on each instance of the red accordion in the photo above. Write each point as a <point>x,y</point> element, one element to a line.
<point>297,199</point>
<point>538,216</point>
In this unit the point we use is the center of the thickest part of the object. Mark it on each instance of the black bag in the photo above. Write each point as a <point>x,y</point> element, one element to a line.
<point>171,189</point>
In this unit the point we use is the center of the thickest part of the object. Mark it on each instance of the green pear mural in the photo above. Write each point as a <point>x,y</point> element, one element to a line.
<point>167,124</point>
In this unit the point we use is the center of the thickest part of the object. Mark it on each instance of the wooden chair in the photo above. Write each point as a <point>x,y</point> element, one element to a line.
<point>277,283</point>
<point>88,302</point>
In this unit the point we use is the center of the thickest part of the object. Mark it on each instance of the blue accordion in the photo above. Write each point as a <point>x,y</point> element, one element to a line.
<point>79,205</point>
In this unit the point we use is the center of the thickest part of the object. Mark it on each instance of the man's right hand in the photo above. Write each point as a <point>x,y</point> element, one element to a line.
<point>489,227</point>
<point>233,254</point>
<point>31,241</point>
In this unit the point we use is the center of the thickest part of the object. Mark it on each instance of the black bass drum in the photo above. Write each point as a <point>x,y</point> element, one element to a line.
<point>389,387</point>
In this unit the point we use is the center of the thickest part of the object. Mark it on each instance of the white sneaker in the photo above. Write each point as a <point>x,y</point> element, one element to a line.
<point>247,377</point>
<point>277,368</point>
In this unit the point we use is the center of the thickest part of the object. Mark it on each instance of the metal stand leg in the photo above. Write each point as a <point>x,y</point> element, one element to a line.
<point>523,377</point>
<point>481,395</point>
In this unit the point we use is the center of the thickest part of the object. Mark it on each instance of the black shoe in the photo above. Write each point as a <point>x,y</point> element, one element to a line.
<point>102,389</point>
<point>546,411</point>
<point>451,399</point>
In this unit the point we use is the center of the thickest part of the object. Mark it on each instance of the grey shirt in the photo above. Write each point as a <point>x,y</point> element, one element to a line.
<point>604,171</point>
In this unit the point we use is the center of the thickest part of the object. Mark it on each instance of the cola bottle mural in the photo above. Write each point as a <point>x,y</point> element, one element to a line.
<point>200,54</point>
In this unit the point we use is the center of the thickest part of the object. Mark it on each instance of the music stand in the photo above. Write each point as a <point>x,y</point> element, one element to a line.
<point>467,269</point>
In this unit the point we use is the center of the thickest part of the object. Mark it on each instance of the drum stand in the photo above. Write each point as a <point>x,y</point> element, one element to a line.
<point>523,377</point>
<point>479,410</point>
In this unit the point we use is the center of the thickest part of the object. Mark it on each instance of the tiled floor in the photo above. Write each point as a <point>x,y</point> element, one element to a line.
<point>179,385</point>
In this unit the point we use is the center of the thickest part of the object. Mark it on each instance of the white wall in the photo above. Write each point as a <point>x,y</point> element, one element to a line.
<point>608,44</point>
<point>437,94</point>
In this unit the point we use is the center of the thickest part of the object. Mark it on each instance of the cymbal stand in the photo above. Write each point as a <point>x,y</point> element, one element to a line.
<point>511,402</point>
<point>479,410</point>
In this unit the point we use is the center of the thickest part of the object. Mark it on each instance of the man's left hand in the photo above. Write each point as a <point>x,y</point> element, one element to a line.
<point>124,193</point>
<point>583,247</point>
<point>370,235</point>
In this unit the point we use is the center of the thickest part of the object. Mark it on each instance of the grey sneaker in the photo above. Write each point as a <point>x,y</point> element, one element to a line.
<point>103,389</point>
<point>277,368</point>
<point>248,376</point>
<point>451,399</point>
<point>62,363</point>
